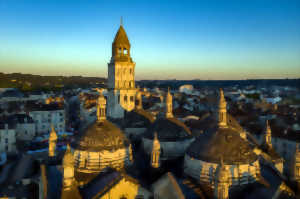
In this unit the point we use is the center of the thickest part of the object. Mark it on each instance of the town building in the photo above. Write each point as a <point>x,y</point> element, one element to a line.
<point>46,115</point>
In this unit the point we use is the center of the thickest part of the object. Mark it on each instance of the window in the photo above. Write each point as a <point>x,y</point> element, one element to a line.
<point>125,51</point>
<point>25,132</point>
<point>6,140</point>
<point>6,148</point>
<point>131,98</point>
<point>125,98</point>
<point>120,51</point>
<point>130,71</point>
<point>118,99</point>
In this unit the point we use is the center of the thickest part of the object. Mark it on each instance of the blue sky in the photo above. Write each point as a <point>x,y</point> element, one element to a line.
<point>212,39</point>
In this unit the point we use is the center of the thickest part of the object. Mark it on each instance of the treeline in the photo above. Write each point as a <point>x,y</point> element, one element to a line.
<point>28,82</point>
<point>175,84</point>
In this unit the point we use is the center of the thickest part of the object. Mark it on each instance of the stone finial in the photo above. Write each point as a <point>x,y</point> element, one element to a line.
<point>222,184</point>
<point>268,134</point>
<point>101,106</point>
<point>155,155</point>
<point>53,135</point>
<point>52,142</point>
<point>68,165</point>
<point>169,105</point>
<point>222,110</point>
<point>139,99</point>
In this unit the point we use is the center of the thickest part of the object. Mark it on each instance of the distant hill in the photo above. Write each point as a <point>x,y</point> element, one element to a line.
<point>175,84</point>
<point>28,82</point>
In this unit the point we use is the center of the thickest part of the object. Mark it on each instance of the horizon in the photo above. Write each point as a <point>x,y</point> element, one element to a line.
<point>206,40</point>
<point>153,79</point>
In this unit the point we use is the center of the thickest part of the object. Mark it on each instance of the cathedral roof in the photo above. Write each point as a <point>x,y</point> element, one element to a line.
<point>168,129</point>
<point>101,136</point>
<point>138,118</point>
<point>121,38</point>
<point>222,142</point>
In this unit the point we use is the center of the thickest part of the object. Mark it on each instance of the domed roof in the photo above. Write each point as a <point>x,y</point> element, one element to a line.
<point>222,142</point>
<point>121,38</point>
<point>168,129</point>
<point>102,136</point>
<point>138,118</point>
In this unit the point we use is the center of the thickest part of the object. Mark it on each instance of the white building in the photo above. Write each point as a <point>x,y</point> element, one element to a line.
<point>7,138</point>
<point>24,125</point>
<point>45,115</point>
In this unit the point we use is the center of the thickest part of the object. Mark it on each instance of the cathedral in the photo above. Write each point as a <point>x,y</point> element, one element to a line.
<point>129,153</point>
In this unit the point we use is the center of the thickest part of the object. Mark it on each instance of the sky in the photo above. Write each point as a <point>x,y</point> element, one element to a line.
<point>200,39</point>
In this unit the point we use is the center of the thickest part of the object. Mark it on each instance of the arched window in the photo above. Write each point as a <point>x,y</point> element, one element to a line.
<point>125,98</point>
<point>131,98</point>
<point>120,51</point>
<point>125,51</point>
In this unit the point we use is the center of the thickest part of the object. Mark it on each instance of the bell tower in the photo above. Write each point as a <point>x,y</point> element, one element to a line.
<point>121,80</point>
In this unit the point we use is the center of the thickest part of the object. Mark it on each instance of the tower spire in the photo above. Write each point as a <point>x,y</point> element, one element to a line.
<point>222,184</point>
<point>52,142</point>
<point>68,165</point>
<point>268,135</point>
<point>169,104</point>
<point>121,21</point>
<point>101,106</point>
<point>222,110</point>
<point>155,152</point>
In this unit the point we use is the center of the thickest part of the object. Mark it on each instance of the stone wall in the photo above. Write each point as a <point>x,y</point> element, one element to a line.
<point>205,172</point>
<point>89,162</point>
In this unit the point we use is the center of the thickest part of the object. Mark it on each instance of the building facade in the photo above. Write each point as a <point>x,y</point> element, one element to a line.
<point>7,139</point>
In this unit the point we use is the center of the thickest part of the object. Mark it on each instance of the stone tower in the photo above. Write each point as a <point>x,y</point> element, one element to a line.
<point>222,182</point>
<point>68,165</point>
<point>155,152</point>
<point>169,105</point>
<point>52,142</point>
<point>268,135</point>
<point>222,111</point>
<point>296,169</point>
<point>121,80</point>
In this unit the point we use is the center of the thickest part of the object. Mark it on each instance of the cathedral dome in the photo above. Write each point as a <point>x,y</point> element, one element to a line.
<point>168,129</point>
<point>223,142</point>
<point>102,136</point>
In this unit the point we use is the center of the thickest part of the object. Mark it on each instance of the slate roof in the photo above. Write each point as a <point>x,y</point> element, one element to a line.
<point>168,129</point>
<point>101,136</point>
<point>138,118</point>
<point>223,142</point>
